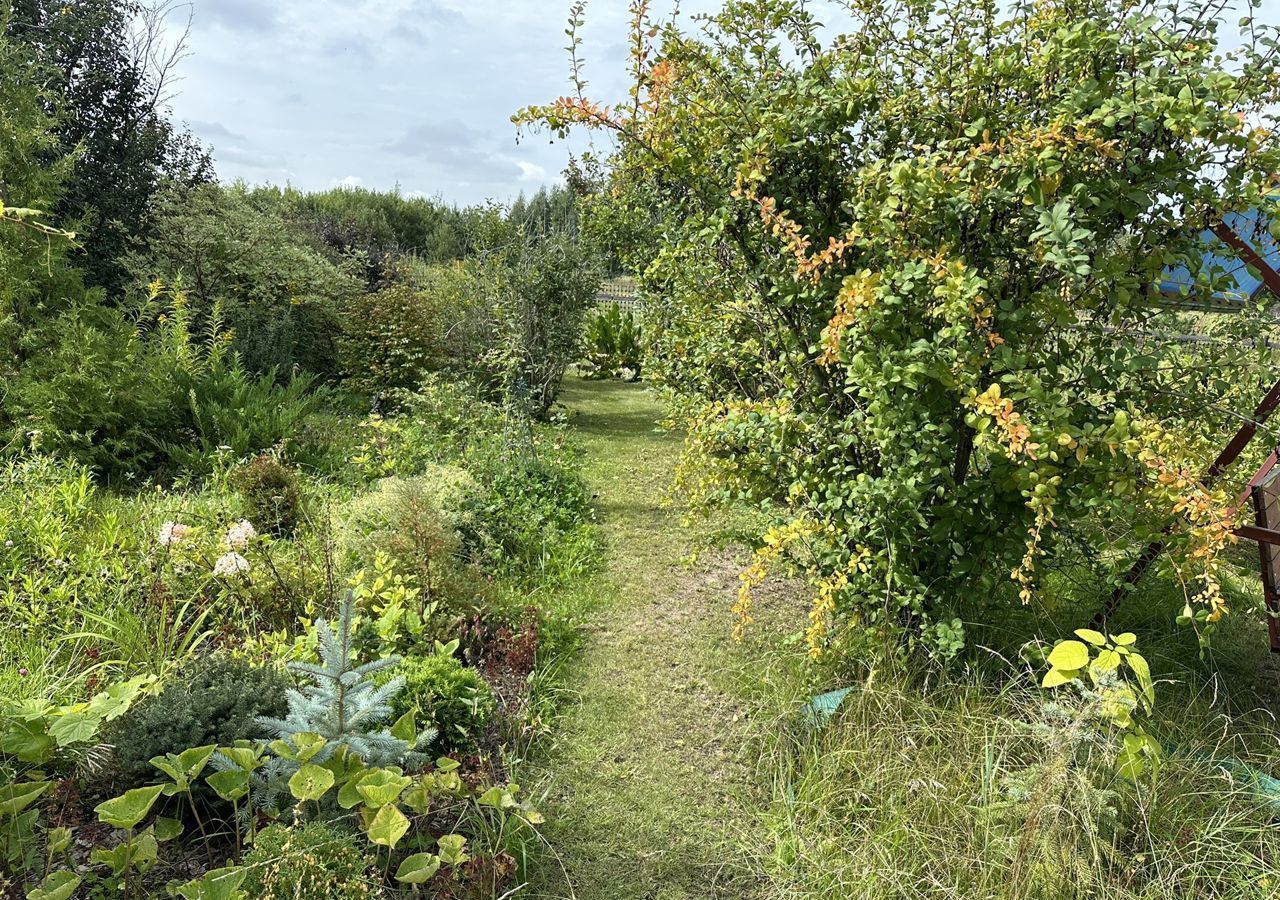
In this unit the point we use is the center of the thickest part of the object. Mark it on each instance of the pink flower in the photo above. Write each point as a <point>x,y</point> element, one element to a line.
<point>173,533</point>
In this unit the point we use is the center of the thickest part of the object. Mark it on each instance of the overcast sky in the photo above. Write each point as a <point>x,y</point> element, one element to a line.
<point>414,93</point>
<point>380,93</point>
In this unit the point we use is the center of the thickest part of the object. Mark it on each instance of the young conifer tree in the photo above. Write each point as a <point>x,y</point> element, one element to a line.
<point>344,704</point>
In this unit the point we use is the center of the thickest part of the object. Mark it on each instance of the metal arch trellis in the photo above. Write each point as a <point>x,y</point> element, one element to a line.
<point>1263,489</point>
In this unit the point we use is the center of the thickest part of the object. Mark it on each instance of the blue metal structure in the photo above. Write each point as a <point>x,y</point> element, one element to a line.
<point>1241,258</point>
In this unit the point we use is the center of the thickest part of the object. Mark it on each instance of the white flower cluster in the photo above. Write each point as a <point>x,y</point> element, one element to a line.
<point>240,534</point>
<point>229,564</point>
<point>173,533</point>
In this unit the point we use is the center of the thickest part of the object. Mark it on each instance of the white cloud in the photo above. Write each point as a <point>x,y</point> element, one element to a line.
<point>350,182</point>
<point>414,92</point>
<point>531,171</point>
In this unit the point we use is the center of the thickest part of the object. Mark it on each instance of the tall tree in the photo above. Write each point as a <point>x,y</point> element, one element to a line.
<point>105,67</point>
<point>33,272</point>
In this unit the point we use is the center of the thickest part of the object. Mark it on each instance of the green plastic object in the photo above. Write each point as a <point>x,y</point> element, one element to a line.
<point>821,708</point>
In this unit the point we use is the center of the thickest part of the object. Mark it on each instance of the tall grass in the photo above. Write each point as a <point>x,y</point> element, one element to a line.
<point>973,789</point>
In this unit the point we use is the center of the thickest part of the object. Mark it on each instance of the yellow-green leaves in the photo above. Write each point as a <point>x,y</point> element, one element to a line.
<point>57,886</point>
<point>381,787</point>
<point>418,869</point>
<point>130,808</point>
<point>1069,655</point>
<point>16,797</point>
<point>387,826</point>
<point>310,782</point>
<point>216,884</point>
<point>1066,661</point>
<point>1120,683</point>
<point>453,849</point>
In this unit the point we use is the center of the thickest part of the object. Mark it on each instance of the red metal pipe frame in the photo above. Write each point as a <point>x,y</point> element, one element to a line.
<point>1230,453</point>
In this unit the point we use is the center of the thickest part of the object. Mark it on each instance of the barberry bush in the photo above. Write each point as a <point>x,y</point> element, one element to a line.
<point>903,273</point>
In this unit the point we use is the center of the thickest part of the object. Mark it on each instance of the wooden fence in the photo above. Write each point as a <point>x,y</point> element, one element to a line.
<point>621,292</point>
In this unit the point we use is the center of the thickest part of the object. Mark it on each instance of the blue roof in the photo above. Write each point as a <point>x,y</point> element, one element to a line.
<point>1220,264</point>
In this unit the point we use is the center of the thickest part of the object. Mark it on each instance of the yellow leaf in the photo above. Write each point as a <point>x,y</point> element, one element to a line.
<point>1069,655</point>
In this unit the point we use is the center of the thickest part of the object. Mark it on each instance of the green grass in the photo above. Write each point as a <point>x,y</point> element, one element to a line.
<point>958,785</point>
<point>647,792</point>
<point>682,768</point>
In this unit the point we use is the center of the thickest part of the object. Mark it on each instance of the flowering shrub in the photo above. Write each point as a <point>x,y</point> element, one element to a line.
<point>904,285</point>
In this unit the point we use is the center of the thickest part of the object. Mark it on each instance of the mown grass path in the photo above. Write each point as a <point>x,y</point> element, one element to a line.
<point>649,796</point>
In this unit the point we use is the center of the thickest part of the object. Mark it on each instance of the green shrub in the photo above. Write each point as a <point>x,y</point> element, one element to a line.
<point>243,267</point>
<point>67,550</point>
<point>314,861</point>
<point>417,523</point>
<point>439,690</point>
<point>392,339</point>
<point>911,329</point>
<point>612,344</point>
<point>539,320</point>
<point>217,703</point>
<point>133,396</point>
<point>271,493</point>
<point>530,508</point>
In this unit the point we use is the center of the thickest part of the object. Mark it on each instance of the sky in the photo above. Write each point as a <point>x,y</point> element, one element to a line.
<point>409,94</point>
<point>415,94</point>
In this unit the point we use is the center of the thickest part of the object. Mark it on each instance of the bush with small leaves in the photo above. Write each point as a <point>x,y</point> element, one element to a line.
<point>271,492</point>
<point>419,524</point>
<point>439,690</point>
<point>314,861</point>
<point>217,704</point>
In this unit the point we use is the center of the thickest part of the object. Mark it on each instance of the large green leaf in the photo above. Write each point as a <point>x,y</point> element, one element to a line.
<point>57,886</point>
<point>388,826</point>
<point>130,808</point>
<point>453,849</point>
<point>28,741</point>
<point>230,785</point>
<point>115,700</point>
<point>74,728</point>
<point>418,869</point>
<point>310,782</point>
<point>192,761</point>
<point>1069,655</point>
<point>405,729</point>
<point>1057,677</point>
<point>216,884</point>
<point>16,797</point>
<point>418,797</point>
<point>166,829</point>
<point>381,786</point>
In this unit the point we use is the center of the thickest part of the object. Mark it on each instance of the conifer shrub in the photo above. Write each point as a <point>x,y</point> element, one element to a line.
<point>315,861</point>
<point>346,704</point>
<point>218,703</point>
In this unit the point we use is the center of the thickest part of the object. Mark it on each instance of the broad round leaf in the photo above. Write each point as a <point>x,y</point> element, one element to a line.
<point>58,886</point>
<point>14,798</point>
<point>1097,638</point>
<point>310,782</point>
<point>1069,655</point>
<point>418,869</point>
<point>230,785</point>
<point>388,826</point>
<point>1057,677</point>
<point>130,808</point>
